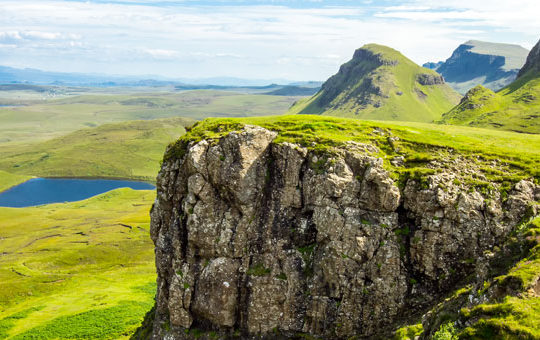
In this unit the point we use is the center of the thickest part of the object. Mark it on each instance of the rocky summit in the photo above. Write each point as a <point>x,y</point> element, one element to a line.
<point>262,236</point>
<point>492,65</point>
<point>381,83</point>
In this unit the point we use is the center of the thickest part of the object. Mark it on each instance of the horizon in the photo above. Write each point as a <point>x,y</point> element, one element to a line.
<point>302,40</point>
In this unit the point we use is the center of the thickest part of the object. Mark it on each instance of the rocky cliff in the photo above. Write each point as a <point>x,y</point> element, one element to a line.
<point>261,238</point>
<point>532,65</point>
<point>474,62</point>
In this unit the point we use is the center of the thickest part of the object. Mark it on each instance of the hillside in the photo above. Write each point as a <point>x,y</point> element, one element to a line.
<point>81,270</point>
<point>515,107</point>
<point>322,227</point>
<point>380,83</point>
<point>492,65</point>
<point>129,149</point>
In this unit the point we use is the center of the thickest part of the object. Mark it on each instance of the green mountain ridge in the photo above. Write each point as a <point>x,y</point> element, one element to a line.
<point>380,83</point>
<point>514,108</point>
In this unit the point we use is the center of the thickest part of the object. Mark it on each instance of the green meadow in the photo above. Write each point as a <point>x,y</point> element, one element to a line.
<point>49,118</point>
<point>77,270</point>
<point>130,149</point>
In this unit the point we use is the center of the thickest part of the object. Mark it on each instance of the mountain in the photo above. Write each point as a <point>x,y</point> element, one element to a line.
<point>475,62</point>
<point>380,83</point>
<point>10,75</point>
<point>515,107</point>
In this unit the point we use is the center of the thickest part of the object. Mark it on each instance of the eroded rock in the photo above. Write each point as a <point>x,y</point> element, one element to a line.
<point>257,239</point>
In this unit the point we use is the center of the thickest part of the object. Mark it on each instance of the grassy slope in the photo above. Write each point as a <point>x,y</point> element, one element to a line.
<point>518,153</point>
<point>392,80</point>
<point>130,149</point>
<point>54,118</point>
<point>514,108</point>
<point>8,180</point>
<point>64,259</point>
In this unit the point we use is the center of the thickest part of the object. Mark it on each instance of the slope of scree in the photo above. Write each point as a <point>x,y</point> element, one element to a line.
<point>380,83</point>
<point>308,226</point>
<point>514,108</point>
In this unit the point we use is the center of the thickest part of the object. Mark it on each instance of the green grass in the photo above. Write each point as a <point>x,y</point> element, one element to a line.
<point>8,180</point>
<point>73,271</point>
<point>401,97</point>
<point>408,332</point>
<point>514,108</point>
<point>517,154</point>
<point>130,149</point>
<point>56,117</point>
<point>513,305</point>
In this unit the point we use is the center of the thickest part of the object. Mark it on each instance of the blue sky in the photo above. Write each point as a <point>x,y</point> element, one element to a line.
<point>261,39</point>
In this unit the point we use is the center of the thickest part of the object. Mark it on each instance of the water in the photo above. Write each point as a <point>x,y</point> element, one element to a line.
<point>39,191</point>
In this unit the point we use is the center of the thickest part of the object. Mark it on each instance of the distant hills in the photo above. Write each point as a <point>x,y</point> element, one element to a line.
<point>28,76</point>
<point>515,107</point>
<point>475,62</point>
<point>380,83</point>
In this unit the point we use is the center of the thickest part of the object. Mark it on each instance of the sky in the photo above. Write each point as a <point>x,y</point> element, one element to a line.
<point>261,39</point>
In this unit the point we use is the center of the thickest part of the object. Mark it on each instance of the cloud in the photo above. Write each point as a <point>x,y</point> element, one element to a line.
<point>203,39</point>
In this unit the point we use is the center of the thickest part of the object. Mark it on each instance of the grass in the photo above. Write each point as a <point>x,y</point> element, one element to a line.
<point>8,180</point>
<point>52,253</point>
<point>513,312</point>
<point>517,154</point>
<point>514,108</point>
<point>51,118</point>
<point>130,149</point>
<point>388,92</point>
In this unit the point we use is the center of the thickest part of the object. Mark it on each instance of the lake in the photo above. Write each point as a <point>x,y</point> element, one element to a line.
<point>38,191</point>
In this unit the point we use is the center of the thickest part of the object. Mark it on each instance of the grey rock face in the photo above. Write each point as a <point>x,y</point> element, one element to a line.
<point>257,239</point>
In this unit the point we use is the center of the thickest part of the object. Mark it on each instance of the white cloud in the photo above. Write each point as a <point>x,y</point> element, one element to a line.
<point>131,36</point>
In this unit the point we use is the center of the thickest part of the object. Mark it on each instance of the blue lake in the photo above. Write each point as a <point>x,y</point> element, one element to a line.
<point>38,191</point>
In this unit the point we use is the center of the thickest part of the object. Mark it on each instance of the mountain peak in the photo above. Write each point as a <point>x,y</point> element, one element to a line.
<point>381,83</point>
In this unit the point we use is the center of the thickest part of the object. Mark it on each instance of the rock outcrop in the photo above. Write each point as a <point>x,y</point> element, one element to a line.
<point>257,239</point>
<point>474,62</point>
<point>532,65</point>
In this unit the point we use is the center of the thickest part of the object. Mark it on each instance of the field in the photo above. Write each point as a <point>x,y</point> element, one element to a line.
<point>38,120</point>
<point>130,149</point>
<point>77,270</point>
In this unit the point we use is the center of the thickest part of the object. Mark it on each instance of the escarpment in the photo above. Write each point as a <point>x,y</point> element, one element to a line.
<point>263,239</point>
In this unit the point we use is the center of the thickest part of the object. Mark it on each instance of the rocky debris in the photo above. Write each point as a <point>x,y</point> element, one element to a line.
<point>257,239</point>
